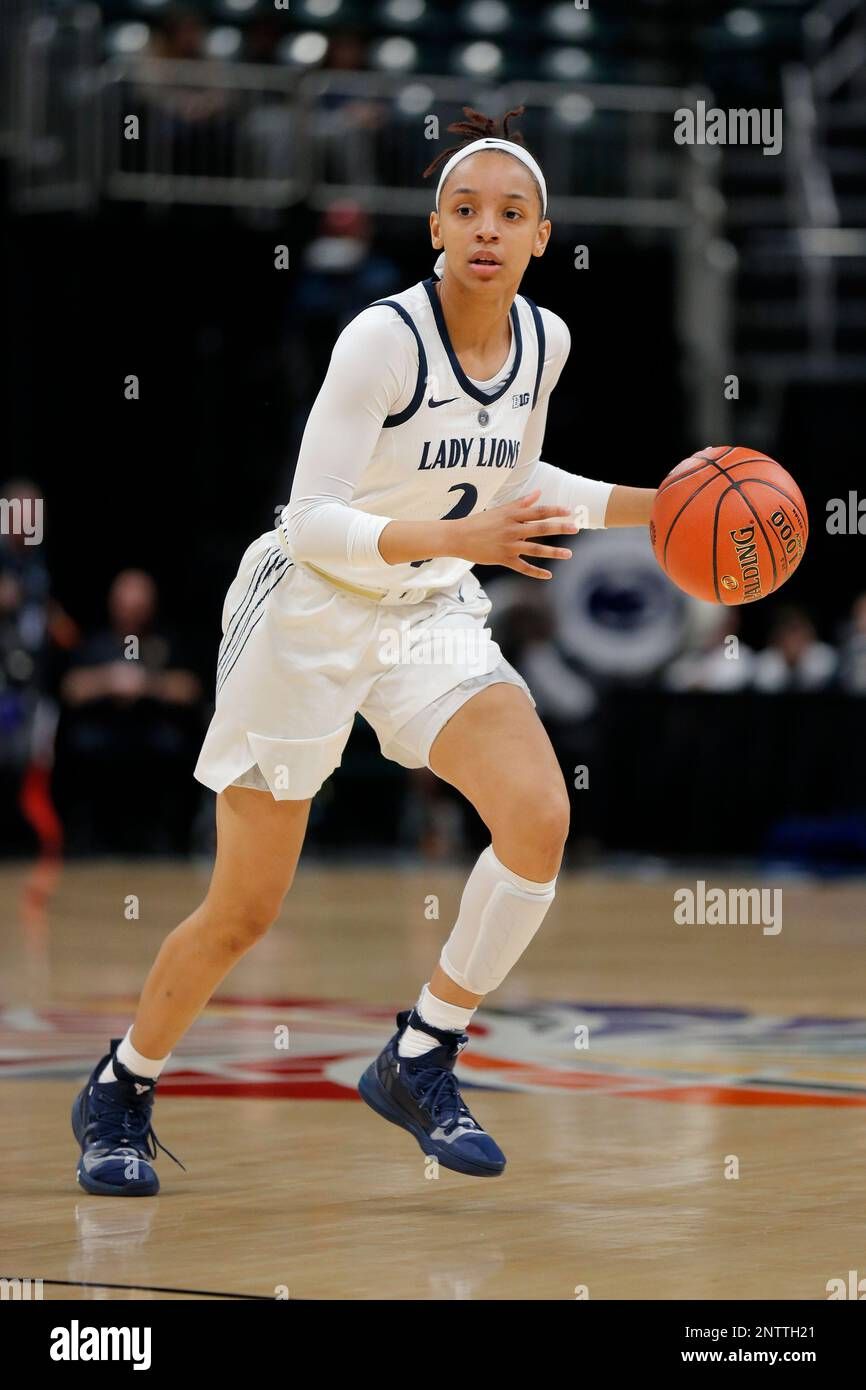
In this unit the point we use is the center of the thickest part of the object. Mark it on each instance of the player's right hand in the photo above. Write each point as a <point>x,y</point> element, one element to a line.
<point>502,535</point>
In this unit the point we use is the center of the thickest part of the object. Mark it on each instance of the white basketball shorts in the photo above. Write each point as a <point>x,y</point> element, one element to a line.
<point>300,657</point>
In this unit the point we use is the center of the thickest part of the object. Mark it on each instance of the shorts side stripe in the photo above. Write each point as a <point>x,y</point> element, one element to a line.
<point>251,624</point>
<point>253,584</point>
<point>278,562</point>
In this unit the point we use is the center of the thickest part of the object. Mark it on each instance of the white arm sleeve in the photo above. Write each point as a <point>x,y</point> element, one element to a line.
<point>584,496</point>
<point>368,376</point>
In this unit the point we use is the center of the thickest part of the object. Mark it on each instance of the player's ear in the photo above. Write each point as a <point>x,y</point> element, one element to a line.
<point>436,232</point>
<point>542,237</point>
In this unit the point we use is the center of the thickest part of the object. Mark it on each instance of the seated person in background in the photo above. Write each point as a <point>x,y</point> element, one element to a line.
<point>132,718</point>
<point>711,661</point>
<point>852,672</point>
<point>129,660</point>
<point>794,659</point>
<point>34,632</point>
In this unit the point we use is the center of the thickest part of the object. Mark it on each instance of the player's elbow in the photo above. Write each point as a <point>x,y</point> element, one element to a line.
<point>300,522</point>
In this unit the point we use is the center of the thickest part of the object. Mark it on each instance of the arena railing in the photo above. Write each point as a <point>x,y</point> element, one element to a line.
<point>252,137</point>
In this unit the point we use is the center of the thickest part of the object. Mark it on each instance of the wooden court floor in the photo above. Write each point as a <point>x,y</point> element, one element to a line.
<point>683,1108</point>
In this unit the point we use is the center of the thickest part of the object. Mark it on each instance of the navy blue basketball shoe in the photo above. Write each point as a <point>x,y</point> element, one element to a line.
<point>420,1095</point>
<point>111,1121</point>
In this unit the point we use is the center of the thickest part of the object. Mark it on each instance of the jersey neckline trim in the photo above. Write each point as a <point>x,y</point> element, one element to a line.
<point>462,379</point>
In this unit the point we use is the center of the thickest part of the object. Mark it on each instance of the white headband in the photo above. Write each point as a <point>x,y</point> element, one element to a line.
<point>491,143</point>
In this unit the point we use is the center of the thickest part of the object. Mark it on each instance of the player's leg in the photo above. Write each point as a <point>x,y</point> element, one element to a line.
<point>495,750</point>
<point>259,841</point>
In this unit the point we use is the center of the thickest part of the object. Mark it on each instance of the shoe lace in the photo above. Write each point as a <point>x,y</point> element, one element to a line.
<point>122,1126</point>
<point>437,1090</point>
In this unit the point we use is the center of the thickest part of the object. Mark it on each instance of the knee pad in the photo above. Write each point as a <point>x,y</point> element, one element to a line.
<point>499,915</point>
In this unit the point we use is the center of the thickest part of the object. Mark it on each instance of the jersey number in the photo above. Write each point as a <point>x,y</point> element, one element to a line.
<point>462,508</point>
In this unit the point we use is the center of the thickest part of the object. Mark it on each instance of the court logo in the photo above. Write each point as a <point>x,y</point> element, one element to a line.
<point>77,1343</point>
<point>660,1052</point>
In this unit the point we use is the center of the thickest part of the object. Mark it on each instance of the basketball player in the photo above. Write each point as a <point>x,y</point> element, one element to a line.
<point>421,458</point>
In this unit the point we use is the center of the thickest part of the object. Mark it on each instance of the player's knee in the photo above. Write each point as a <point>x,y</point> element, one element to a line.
<point>549,819</point>
<point>539,821</point>
<point>248,922</point>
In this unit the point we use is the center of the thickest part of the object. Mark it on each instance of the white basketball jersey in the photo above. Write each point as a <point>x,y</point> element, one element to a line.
<point>452,448</point>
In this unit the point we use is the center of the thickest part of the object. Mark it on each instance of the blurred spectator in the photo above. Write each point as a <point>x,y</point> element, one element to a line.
<point>344,118</point>
<point>131,730</point>
<point>262,38</point>
<point>341,274</point>
<point>794,659</point>
<point>178,33</point>
<point>175,108</point>
<point>526,631</point>
<point>33,626</point>
<point>852,662</point>
<point>716,659</point>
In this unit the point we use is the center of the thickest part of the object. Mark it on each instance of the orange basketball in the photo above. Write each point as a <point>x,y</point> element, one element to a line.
<point>729,525</point>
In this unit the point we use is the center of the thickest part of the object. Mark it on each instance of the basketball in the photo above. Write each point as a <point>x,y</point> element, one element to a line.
<point>729,525</point>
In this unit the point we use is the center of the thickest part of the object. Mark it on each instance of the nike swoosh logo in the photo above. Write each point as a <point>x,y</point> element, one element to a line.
<point>433,404</point>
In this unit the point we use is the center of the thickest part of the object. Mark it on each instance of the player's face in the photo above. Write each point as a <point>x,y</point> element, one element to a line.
<point>489,221</point>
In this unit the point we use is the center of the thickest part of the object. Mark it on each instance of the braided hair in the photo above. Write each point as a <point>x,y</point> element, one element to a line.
<point>477,126</point>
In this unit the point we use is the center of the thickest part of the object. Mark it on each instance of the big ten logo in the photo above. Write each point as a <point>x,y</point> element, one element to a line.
<point>20,1290</point>
<point>431,1168</point>
<point>855,1287</point>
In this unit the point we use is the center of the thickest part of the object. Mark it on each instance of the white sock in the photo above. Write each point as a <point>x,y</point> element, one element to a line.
<point>439,1014</point>
<point>133,1061</point>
